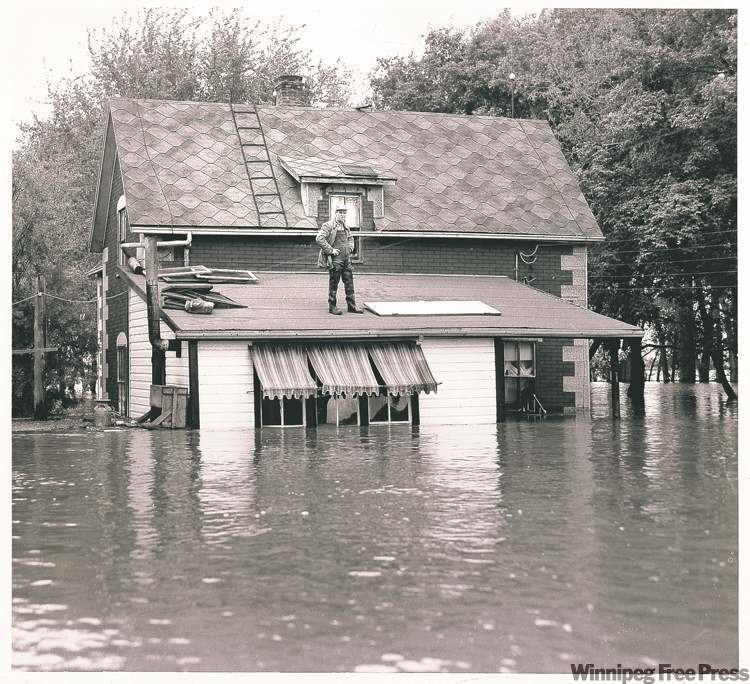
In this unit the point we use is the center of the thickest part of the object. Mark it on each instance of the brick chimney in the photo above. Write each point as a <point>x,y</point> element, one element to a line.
<point>291,90</point>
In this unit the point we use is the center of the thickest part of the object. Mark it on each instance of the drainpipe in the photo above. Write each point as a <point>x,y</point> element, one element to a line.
<point>158,345</point>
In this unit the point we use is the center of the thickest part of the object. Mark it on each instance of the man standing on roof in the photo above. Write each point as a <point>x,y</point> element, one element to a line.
<point>336,247</point>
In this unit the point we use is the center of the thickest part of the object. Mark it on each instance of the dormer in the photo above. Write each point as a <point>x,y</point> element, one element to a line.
<point>339,182</point>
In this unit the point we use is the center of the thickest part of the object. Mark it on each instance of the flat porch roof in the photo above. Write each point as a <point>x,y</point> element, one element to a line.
<point>294,306</point>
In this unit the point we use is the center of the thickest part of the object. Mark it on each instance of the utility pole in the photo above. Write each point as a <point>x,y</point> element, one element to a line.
<point>512,78</point>
<point>40,408</point>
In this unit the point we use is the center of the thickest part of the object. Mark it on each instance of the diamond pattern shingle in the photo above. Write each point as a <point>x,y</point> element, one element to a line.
<point>182,164</point>
<point>170,153</point>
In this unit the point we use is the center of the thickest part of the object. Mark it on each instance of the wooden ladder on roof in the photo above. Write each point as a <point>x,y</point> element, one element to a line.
<point>259,168</point>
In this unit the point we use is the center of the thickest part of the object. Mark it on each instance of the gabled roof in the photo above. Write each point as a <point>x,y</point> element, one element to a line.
<point>200,164</point>
<point>293,305</point>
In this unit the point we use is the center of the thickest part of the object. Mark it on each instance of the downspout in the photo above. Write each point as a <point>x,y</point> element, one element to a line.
<point>158,345</point>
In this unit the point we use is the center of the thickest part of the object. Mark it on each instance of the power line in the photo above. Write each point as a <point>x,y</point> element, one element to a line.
<point>680,288</point>
<point>71,301</point>
<point>661,275</point>
<point>666,249</point>
<point>608,241</point>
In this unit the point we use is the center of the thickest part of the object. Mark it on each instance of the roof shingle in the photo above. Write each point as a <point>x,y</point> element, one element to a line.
<point>182,165</point>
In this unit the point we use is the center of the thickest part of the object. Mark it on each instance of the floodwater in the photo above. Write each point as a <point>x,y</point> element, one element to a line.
<point>514,549</point>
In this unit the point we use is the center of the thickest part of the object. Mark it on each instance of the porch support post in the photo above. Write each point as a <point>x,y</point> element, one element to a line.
<point>194,412</point>
<point>499,380</point>
<point>613,347</point>
<point>636,389</point>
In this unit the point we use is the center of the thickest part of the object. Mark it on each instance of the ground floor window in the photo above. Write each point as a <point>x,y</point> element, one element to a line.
<point>337,410</point>
<point>520,373</point>
<point>122,374</point>
<point>389,408</point>
<point>282,412</point>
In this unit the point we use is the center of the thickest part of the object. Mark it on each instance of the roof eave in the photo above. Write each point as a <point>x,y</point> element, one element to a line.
<point>251,231</point>
<point>249,334</point>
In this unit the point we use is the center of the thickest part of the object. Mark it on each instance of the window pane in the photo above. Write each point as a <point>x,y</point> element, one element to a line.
<point>399,408</point>
<point>510,357</point>
<point>526,352</point>
<point>351,204</point>
<point>293,411</point>
<point>348,411</point>
<point>326,408</point>
<point>378,409</point>
<point>270,411</point>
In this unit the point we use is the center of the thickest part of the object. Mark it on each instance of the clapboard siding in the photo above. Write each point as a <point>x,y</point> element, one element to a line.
<point>225,377</point>
<point>465,367</point>
<point>139,350</point>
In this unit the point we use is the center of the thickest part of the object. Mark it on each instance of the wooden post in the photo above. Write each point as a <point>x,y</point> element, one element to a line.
<point>637,368</point>
<point>614,378</point>
<point>158,346</point>
<point>499,381</point>
<point>194,413</point>
<point>40,407</point>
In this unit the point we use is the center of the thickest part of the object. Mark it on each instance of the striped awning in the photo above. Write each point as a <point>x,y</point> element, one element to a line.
<point>403,367</point>
<point>344,369</point>
<point>283,372</point>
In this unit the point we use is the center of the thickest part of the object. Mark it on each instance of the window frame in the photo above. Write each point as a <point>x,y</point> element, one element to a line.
<point>388,395</point>
<point>122,229</point>
<point>356,257</point>
<point>518,378</point>
<point>281,413</point>
<point>337,424</point>
<point>122,376</point>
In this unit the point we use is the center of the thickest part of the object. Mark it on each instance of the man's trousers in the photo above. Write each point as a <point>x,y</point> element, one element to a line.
<point>341,270</point>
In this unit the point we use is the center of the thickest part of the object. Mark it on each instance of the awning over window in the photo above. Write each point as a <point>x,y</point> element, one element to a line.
<point>343,369</point>
<point>403,367</point>
<point>283,372</point>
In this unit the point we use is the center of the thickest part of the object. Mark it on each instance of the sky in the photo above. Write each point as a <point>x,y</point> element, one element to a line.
<point>49,38</point>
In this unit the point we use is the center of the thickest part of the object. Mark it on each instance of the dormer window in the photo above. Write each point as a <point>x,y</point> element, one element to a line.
<point>122,229</point>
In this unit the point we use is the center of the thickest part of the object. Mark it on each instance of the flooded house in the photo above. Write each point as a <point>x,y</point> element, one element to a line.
<point>471,238</point>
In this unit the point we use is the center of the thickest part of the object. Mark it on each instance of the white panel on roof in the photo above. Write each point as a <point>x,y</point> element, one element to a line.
<point>432,308</point>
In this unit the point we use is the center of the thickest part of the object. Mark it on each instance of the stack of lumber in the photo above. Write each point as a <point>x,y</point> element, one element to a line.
<point>191,288</point>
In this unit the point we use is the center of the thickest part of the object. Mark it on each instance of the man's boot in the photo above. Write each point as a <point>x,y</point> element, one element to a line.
<point>353,308</point>
<point>335,310</point>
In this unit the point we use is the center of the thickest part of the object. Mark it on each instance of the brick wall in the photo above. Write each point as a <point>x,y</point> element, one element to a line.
<point>389,255</point>
<point>550,373</point>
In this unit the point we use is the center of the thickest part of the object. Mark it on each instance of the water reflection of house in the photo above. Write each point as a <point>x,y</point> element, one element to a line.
<point>479,219</point>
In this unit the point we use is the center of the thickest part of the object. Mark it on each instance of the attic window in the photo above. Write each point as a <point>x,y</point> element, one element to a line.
<point>432,308</point>
<point>122,229</point>
<point>355,170</point>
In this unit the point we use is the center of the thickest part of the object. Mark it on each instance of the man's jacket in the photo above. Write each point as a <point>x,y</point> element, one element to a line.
<point>325,238</point>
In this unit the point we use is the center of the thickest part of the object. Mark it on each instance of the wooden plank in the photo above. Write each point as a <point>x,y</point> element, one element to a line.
<point>159,420</point>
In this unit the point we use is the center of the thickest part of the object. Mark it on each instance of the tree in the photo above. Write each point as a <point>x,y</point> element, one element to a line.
<point>643,103</point>
<point>157,53</point>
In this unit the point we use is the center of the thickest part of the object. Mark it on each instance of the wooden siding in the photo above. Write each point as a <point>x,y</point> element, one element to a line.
<point>139,350</point>
<point>465,367</point>
<point>225,375</point>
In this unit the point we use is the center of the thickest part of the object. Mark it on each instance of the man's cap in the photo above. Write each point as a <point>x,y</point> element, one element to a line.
<point>340,209</point>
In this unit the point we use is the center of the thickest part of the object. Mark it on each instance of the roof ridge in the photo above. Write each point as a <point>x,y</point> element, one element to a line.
<point>350,110</point>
